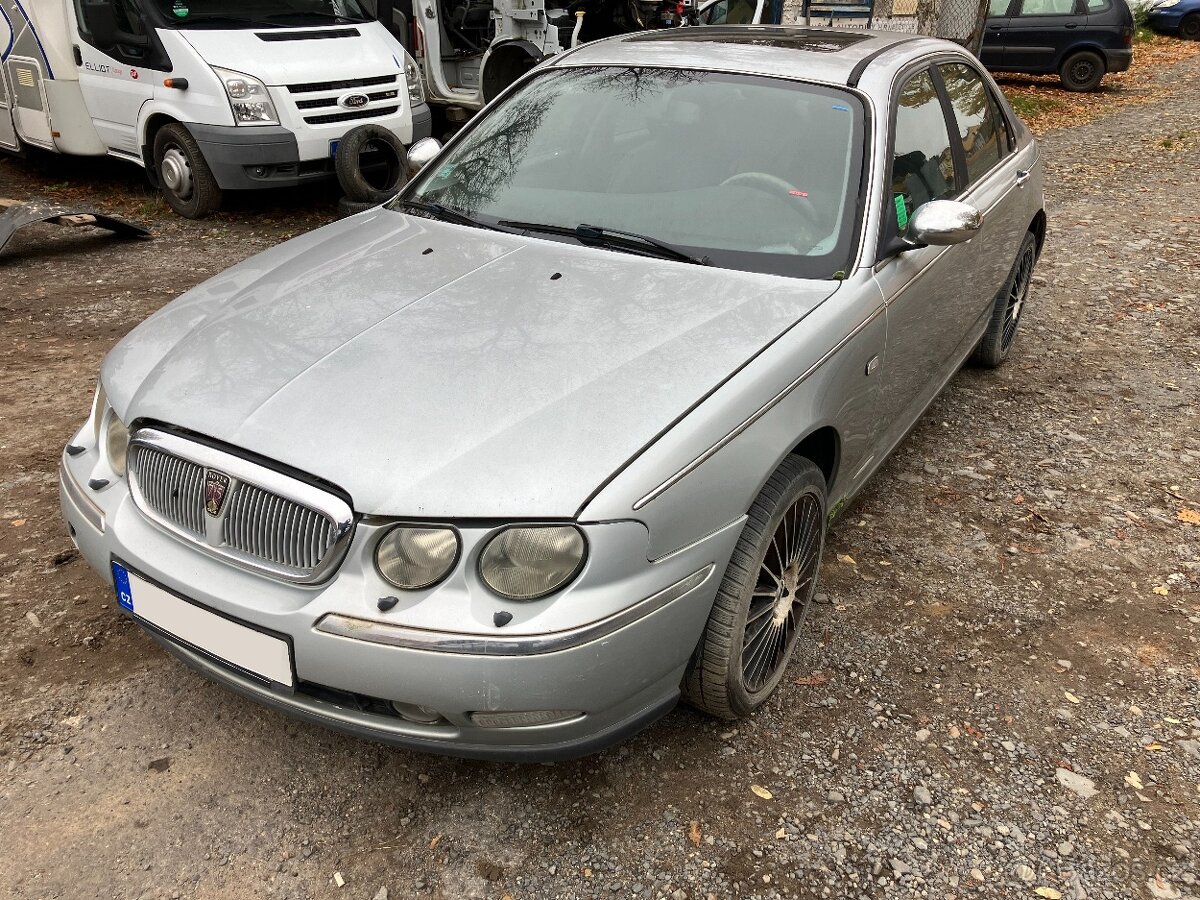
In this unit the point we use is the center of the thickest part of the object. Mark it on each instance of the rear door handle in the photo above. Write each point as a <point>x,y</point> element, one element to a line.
<point>1072,25</point>
<point>1022,177</point>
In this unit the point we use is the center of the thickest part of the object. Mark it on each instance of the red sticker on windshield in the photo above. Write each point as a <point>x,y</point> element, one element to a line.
<point>798,193</point>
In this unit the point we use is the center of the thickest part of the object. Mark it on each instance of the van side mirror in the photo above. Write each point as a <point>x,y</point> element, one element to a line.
<point>421,153</point>
<point>101,22</point>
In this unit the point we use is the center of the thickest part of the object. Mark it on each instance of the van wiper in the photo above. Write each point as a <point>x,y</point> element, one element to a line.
<point>213,18</point>
<point>445,213</point>
<point>317,14</point>
<point>630,241</point>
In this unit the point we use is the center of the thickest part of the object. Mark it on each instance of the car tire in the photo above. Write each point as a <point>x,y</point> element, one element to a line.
<point>1082,71</point>
<point>347,207</point>
<point>186,180</point>
<point>1010,302</point>
<point>753,628</point>
<point>349,168</point>
<point>1189,27</point>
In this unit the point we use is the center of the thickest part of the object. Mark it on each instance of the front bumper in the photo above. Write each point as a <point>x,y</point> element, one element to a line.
<point>265,156</point>
<point>620,677</point>
<point>1165,20</point>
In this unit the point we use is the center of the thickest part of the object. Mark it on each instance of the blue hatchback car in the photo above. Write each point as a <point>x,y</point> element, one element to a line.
<point>1181,17</point>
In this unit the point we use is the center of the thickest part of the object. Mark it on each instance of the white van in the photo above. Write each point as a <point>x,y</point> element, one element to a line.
<point>207,95</point>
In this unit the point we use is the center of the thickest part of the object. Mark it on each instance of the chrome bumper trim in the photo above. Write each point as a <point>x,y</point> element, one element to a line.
<point>506,645</point>
<point>74,491</point>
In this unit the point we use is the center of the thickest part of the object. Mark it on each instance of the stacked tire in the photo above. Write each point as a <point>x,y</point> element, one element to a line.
<point>371,166</point>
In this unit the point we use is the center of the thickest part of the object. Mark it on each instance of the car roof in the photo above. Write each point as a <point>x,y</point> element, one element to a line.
<point>831,55</point>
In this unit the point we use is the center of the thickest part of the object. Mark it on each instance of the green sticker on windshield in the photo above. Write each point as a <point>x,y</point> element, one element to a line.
<point>180,9</point>
<point>901,211</point>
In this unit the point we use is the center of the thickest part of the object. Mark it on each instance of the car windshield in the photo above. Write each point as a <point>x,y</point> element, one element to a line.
<point>744,172</point>
<point>260,13</point>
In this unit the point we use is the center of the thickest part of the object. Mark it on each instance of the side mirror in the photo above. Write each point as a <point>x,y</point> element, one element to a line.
<point>943,222</point>
<point>421,153</point>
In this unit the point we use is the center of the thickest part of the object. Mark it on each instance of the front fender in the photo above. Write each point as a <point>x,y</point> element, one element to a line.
<point>706,471</point>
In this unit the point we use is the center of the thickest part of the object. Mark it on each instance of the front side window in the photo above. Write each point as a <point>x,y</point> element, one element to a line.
<point>755,173</point>
<point>118,28</point>
<point>922,158</point>
<point>975,115</point>
<point>258,13</point>
<point>1046,8</point>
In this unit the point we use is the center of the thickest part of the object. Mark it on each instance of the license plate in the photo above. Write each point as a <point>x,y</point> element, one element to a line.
<point>333,145</point>
<point>255,652</point>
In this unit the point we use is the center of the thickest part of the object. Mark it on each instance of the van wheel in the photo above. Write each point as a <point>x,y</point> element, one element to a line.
<point>1082,71</point>
<point>187,181</point>
<point>764,596</point>
<point>1189,28</point>
<point>1006,313</point>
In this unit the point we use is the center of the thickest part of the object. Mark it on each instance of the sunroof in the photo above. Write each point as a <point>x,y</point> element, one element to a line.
<point>812,39</point>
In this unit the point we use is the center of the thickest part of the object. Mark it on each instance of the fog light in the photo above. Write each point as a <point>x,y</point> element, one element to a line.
<point>522,719</point>
<point>419,715</point>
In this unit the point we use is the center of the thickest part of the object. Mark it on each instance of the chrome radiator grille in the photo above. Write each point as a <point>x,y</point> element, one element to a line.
<point>228,506</point>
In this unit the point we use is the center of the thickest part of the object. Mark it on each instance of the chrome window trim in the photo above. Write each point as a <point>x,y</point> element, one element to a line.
<point>505,645</point>
<point>241,470</point>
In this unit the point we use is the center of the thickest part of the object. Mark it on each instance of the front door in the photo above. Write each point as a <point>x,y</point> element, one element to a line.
<point>927,301</point>
<point>1036,32</point>
<point>8,133</point>
<point>117,77</point>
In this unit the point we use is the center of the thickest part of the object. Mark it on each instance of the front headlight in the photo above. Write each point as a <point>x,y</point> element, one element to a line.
<point>415,558</point>
<point>116,443</point>
<point>248,98</point>
<point>412,74</point>
<point>525,563</point>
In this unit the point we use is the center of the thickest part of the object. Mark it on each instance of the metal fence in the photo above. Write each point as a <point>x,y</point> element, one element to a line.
<point>960,21</point>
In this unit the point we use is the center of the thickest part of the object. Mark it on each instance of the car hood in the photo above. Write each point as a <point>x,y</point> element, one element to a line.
<point>280,62</point>
<point>436,370</point>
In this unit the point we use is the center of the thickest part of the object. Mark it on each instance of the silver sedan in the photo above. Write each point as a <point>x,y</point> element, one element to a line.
<point>507,467</point>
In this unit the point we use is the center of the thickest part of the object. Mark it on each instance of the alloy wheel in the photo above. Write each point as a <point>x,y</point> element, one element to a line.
<point>1017,295</point>
<point>782,593</point>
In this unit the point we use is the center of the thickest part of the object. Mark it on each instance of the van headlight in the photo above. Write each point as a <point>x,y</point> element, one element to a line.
<point>248,98</point>
<point>526,563</point>
<point>416,86</point>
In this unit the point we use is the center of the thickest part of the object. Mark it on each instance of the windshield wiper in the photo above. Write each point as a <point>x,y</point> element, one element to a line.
<point>214,18</point>
<point>317,14</point>
<point>446,213</point>
<point>631,241</point>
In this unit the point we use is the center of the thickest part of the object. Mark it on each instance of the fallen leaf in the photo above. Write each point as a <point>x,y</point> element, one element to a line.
<point>842,557</point>
<point>587,872</point>
<point>761,791</point>
<point>1048,893</point>
<point>17,523</point>
<point>1161,590</point>
<point>1154,746</point>
<point>1071,697</point>
<point>1191,516</point>
<point>813,680</point>
<point>434,842</point>
<point>1135,781</point>
<point>781,834</point>
<point>694,833</point>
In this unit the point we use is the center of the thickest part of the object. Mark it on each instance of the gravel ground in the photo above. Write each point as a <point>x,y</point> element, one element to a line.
<point>1000,697</point>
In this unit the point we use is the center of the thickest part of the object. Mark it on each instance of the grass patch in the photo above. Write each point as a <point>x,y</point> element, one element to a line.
<point>1027,106</point>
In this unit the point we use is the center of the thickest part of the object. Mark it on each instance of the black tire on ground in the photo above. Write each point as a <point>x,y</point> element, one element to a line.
<point>186,180</point>
<point>758,616</point>
<point>1082,71</point>
<point>1010,302</point>
<point>347,207</point>
<point>380,176</point>
<point>1189,27</point>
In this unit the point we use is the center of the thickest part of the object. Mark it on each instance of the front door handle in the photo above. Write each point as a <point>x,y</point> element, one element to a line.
<point>1022,177</point>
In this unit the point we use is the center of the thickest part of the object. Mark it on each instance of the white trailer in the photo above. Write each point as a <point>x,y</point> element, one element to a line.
<point>207,95</point>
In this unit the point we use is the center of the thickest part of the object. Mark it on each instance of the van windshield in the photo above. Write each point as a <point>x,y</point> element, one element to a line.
<point>259,13</point>
<point>747,172</point>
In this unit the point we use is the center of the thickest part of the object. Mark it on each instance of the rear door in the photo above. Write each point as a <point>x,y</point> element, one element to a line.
<point>995,33</point>
<point>1039,31</point>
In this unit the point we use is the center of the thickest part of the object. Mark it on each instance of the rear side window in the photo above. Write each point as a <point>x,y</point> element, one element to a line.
<point>1094,6</point>
<point>1046,8</point>
<point>997,8</point>
<point>979,128</point>
<point>922,161</point>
